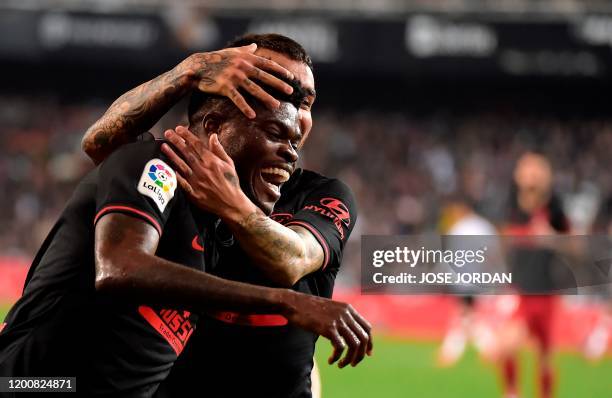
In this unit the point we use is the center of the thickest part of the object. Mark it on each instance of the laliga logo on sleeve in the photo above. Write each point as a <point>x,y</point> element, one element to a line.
<point>158,182</point>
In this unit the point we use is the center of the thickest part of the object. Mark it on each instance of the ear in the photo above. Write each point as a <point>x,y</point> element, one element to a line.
<point>211,124</point>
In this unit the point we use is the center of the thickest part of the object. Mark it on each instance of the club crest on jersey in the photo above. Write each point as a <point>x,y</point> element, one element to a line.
<point>158,182</point>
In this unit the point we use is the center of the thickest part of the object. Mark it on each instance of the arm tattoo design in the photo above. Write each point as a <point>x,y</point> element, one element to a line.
<point>140,108</point>
<point>272,238</point>
<point>232,179</point>
<point>210,66</point>
<point>135,112</point>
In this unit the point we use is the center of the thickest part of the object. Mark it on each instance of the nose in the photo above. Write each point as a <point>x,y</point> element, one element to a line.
<point>288,152</point>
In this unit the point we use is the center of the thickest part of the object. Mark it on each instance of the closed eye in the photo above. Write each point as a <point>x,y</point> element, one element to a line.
<point>274,133</point>
<point>277,134</point>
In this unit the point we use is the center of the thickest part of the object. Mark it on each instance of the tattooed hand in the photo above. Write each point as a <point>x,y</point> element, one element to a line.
<point>205,172</point>
<point>224,72</point>
<point>220,72</point>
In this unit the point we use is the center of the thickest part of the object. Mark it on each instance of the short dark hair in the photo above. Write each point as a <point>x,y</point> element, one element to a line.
<point>201,103</point>
<point>274,42</point>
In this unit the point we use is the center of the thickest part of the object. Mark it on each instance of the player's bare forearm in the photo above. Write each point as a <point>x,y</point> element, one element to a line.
<point>126,265</point>
<point>136,111</point>
<point>284,254</point>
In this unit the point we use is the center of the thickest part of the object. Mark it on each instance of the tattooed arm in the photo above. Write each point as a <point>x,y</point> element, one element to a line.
<point>207,174</point>
<point>221,72</point>
<point>125,266</point>
<point>284,254</point>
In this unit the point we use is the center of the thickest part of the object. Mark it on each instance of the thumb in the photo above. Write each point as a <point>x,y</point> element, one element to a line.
<point>251,48</point>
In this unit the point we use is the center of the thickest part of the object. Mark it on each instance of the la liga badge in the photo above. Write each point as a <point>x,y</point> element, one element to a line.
<point>158,182</point>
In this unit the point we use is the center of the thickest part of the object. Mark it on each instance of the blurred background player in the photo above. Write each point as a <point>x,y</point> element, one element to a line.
<point>598,339</point>
<point>535,210</point>
<point>459,218</point>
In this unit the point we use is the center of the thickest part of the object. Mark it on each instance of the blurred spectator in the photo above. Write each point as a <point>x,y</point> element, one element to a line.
<point>400,166</point>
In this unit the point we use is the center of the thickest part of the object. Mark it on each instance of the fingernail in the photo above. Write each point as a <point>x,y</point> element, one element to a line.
<point>169,133</point>
<point>289,90</point>
<point>251,115</point>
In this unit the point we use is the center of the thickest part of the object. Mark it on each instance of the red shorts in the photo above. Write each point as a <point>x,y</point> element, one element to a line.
<point>538,313</point>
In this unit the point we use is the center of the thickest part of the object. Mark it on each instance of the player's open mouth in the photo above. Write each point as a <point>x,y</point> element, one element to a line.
<point>274,177</point>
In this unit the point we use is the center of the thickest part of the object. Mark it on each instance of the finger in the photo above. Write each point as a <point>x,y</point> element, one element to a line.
<point>218,149</point>
<point>353,345</point>
<point>241,103</point>
<point>175,139</point>
<point>184,184</point>
<point>338,344</point>
<point>191,139</point>
<point>367,327</point>
<point>250,48</point>
<point>187,152</point>
<point>178,162</point>
<point>270,80</point>
<point>260,94</point>
<point>195,151</point>
<point>363,338</point>
<point>271,66</point>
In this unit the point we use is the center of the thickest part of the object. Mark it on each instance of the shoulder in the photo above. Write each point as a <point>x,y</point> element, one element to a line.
<point>140,157</point>
<point>139,166</point>
<point>307,181</point>
<point>136,151</point>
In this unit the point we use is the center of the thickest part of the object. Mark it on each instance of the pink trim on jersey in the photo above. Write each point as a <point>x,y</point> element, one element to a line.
<point>116,208</point>
<point>257,320</point>
<point>317,235</point>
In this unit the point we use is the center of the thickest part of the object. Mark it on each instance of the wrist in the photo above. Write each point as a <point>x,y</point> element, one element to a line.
<point>286,301</point>
<point>241,212</point>
<point>186,73</point>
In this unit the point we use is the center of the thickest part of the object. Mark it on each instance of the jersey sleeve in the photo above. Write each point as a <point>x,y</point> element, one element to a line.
<point>137,180</point>
<point>329,212</point>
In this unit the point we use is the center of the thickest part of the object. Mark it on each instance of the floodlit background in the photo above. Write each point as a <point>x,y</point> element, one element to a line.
<point>417,101</point>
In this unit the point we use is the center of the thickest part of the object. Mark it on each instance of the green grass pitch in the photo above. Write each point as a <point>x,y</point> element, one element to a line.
<point>3,310</point>
<point>406,369</point>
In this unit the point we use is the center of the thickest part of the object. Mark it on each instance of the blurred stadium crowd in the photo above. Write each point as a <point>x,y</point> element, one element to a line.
<point>401,166</point>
